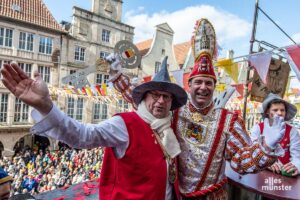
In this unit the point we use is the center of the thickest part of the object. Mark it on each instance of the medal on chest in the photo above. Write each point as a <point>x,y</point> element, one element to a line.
<point>197,117</point>
<point>195,133</point>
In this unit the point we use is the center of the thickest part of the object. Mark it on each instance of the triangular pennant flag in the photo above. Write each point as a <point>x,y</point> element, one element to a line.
<point>173,80</point>
<point>147,78</point>
<point>293,57</point>
<point>88,91</point>
<point>75,90</point>
<point>79,91</point>
<point>83,91</point>
<point>178,76</point>
<point>98,88</point>
<point>239,88</point>
<point>230,68</point>
<point>261,63</point>
<point>104,89</point>
<point>94,91</point>
<point>243,67</point>
<point>68,90</point>
<point>186,81</point>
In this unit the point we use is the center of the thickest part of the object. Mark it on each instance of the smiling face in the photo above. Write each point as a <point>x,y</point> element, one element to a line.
<point>158,103</point>
<point>202,90</point>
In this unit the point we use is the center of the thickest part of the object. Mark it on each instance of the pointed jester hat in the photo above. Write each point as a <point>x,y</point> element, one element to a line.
<point>204,49</point>
<point>161,82</point>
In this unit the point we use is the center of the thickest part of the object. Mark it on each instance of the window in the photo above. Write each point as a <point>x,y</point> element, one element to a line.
<point>70,107</point>
<point>125,105</point>
<point>75,108</point>
<point>46,44</point>
<point>6,37</point>
<point>45,73</point>
<point>122,106</point>
<point>103,54</point>
<point>26,41</point>
<point>3,107</point>
<point>105,35</point>
<point>100,111</point>
<point>21,111</point>
<point>26,67</point>
<point>102,78</point>
<point>79,53</point>
<point>79,109</point>
<point>157,67</point>
<point>163,52</point>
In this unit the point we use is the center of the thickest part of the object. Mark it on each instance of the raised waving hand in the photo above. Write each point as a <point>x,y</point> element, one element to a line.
<point>33,92</point>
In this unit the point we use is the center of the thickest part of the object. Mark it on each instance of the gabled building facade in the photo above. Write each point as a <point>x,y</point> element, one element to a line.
<point>154,50</point>
<point>93,35</point>
<point>30,36</point>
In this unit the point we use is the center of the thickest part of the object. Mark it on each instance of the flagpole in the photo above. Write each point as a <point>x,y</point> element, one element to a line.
<point>246,92</point>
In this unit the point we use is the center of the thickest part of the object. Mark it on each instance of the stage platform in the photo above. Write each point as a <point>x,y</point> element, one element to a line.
<point>82,191</point>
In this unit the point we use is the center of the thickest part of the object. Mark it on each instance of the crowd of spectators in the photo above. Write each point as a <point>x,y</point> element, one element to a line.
<point>36,170</point>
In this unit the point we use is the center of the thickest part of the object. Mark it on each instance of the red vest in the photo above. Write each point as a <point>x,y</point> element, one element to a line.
<point>141,173</point>
<point>285,143</point>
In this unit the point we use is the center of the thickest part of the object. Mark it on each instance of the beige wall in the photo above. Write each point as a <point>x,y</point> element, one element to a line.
<point>163,40</point>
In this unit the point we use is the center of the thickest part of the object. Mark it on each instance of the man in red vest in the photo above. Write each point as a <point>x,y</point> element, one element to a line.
<point>290,161</point>
<point>139,161</point>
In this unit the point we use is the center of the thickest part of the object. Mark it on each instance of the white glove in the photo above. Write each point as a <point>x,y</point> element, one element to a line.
<point>114,60</point>
<point>115,65</point>
<point>136,81</point>
<point>274,134</point>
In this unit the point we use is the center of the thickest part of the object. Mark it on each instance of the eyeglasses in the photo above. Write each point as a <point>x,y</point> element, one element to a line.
<point>156,96</point>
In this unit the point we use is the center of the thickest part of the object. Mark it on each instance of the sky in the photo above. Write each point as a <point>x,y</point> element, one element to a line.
<point>232,19</point>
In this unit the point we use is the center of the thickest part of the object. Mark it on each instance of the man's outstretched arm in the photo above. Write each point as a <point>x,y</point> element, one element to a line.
<point>248,157</point>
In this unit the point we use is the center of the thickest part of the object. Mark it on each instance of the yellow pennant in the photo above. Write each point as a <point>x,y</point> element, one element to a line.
<point>230,68</point>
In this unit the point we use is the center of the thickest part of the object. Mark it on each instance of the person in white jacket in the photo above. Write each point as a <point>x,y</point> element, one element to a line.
<point>290,161</point>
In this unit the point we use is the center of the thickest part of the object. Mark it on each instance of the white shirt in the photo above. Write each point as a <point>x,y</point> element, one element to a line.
<point>294,144</point>
<point>108,133</point>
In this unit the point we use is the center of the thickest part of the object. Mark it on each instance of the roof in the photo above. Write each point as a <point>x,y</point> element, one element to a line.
<point>181,50</point>
<point>29,11</point>
<point>144,46</point>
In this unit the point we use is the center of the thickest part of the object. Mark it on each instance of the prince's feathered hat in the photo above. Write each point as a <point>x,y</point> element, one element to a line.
<point>204,49</point>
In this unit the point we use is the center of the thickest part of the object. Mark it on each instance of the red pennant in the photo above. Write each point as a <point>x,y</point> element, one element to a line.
<point>147,78</point>
<point>186,81</point>
<point>84,91</point>
<point>294,52</point>
<point>239,88</point>
<point>98,88</point>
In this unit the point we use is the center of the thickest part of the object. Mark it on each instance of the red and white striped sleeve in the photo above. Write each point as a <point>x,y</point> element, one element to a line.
<point>122,84</point>
<point>245,156</point>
